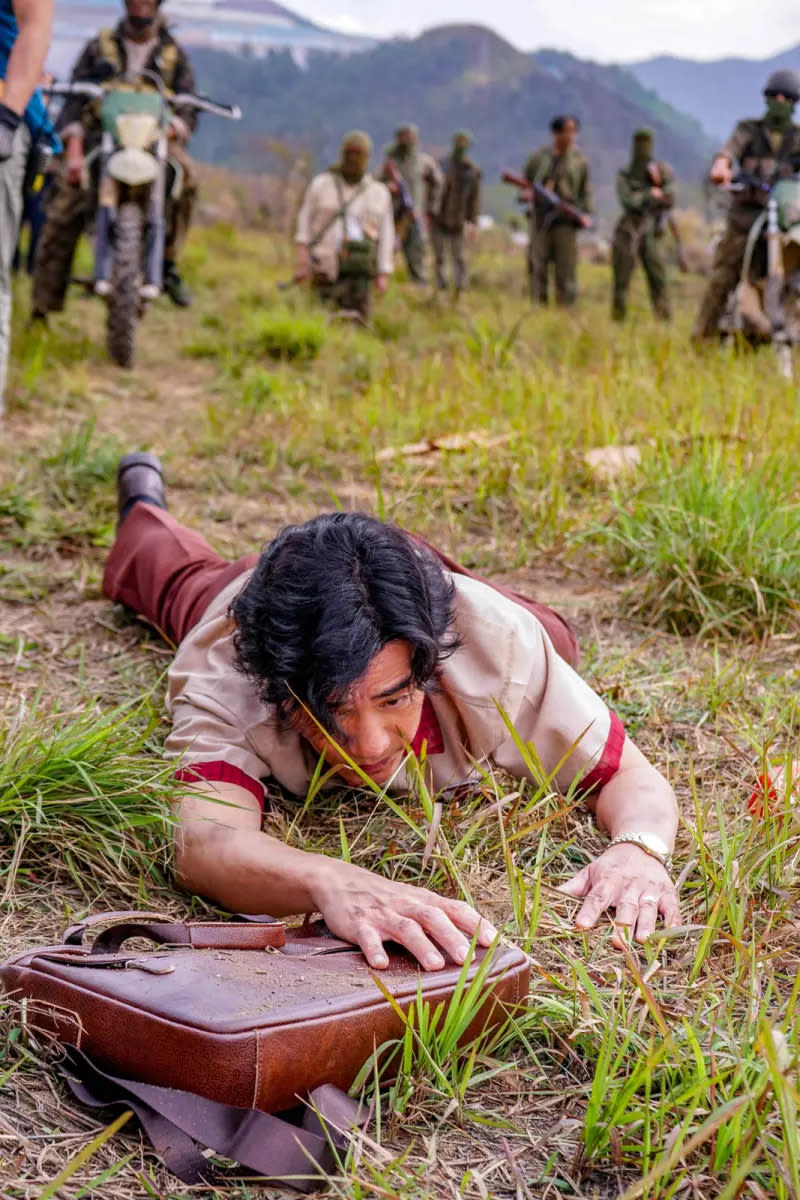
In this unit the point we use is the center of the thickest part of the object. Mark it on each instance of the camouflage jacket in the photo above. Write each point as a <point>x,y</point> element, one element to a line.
<point>635,196</point>
<point>460,196</point>
<point>753,147</point>
<point>567,175</point>
<point>167,59</point>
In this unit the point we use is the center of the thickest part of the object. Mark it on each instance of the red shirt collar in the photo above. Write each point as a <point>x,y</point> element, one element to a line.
<point>428,731</point>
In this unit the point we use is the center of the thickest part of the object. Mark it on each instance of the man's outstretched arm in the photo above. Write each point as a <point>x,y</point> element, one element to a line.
<point>221,853</point>
<point>26,61</point>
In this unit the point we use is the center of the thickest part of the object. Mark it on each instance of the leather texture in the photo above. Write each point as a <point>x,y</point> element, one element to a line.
<point>254,1027</point>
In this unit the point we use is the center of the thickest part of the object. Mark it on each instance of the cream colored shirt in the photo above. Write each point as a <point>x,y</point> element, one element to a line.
<point>506,662</point>
<point>369,215</point>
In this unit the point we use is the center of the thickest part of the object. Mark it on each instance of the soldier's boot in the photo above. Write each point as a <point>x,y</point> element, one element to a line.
<point>67,212</point>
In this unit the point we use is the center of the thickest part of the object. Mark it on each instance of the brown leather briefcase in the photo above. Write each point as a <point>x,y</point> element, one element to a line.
<point>249,1014</point>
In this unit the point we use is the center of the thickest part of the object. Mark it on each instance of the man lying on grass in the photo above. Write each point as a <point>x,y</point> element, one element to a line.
<point>350,641</point>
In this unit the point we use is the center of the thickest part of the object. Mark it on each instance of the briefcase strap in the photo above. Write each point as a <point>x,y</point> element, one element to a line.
<point>180,1125</point>
<point>200,935</point>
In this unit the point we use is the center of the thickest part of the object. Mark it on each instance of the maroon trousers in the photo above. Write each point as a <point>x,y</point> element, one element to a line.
<point>169,575</point>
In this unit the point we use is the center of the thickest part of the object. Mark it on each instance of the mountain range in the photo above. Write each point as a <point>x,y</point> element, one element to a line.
<point>717,93</point>
<point>446,79</point>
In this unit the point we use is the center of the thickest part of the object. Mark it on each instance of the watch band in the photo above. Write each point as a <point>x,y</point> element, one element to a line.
<point>638,839</point>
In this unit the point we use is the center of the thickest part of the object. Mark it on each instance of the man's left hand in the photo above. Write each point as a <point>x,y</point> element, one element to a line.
<point>634,883</point>
<point>381,283</point>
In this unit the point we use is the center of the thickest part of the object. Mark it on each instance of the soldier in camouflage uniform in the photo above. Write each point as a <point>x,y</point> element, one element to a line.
<point>768,146</point>
<point>645,189</point>
<point>456,212</point>
<point>140,42</point>
<point>345,231</point>
<point>563,169</point>
<point>422,179</point>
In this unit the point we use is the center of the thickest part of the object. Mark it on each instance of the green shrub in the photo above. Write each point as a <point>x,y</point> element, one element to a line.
<point>286,336</point>
<point>714,542</point>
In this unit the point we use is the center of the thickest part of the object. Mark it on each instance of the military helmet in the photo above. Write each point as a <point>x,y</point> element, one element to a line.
<point>784,82</point>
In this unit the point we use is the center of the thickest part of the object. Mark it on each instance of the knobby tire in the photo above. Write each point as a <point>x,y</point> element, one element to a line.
<point>123,305</point>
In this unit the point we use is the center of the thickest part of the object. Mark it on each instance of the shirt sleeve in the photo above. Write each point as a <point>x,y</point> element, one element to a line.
<point>210,745</point>
<point>571,730</point>
<point>736,145</point>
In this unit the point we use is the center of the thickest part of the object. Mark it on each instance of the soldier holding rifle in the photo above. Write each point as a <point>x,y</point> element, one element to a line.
<point>646,193</point>
<point>558,176</point>
<point>414,180</point>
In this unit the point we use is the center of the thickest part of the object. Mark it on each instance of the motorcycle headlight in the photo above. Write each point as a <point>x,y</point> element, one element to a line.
<point>137,131</point>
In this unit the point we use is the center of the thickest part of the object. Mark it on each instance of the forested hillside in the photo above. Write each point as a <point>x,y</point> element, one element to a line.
<point>451,77</point>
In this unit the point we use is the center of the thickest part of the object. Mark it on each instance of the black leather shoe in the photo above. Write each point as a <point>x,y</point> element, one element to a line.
<point>139,477</point>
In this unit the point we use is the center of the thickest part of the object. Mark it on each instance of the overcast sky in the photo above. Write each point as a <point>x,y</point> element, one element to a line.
<point>614,30</point>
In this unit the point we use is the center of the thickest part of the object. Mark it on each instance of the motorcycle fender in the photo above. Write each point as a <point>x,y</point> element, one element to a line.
<point>134,167</point>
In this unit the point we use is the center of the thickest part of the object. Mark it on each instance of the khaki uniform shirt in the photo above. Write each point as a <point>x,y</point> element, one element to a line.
<point>369,215</point>
<point>222,731</point>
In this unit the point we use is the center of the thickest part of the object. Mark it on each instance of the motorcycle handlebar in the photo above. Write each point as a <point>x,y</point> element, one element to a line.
<point>231,112</point>
<point>96,91</point>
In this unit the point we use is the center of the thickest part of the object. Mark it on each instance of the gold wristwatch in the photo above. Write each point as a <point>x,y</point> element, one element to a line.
<point>651,843</point>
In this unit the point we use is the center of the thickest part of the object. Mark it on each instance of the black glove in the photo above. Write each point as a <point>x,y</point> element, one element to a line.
<point>10,122</point>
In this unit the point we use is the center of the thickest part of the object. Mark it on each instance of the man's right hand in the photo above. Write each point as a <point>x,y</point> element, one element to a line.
<point>720,173</point>
<point>368,910</point>
<point>76,161</point>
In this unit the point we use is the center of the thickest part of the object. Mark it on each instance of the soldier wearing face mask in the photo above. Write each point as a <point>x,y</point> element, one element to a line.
<point>768,146</point>
<point>345,231</point>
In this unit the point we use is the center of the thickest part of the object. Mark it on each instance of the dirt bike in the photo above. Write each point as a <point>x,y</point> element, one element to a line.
<point>765,306</point>
<point>136,180</point>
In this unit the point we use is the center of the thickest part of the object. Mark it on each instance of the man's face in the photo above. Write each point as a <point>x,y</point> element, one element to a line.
<point>378,718</point>
<point>141,12</point>
<point>565,138</point>
<point>354,161</point>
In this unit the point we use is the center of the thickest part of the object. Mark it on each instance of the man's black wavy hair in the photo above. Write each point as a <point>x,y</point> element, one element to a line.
<point>325,598</point>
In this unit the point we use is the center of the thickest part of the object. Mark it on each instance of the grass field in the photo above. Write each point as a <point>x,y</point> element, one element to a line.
<point>668,1071</point>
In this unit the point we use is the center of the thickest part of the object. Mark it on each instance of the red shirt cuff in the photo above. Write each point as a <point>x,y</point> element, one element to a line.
<point>221,772</point>
<point>607,765</point>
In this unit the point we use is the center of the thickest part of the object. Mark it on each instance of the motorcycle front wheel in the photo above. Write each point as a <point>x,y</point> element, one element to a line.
<point>123,303</point>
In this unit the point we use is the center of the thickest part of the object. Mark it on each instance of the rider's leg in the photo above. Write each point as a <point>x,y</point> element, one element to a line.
<point>179,218</point>
<point>725,270</point>
<point>68,209</point>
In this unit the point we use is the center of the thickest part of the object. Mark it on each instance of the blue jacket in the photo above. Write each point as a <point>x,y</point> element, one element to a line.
<point>36,116</point>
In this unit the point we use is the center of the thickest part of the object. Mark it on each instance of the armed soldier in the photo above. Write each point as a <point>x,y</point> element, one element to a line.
<point>646,192</point>
<point>562,170</point>
<point>767,147</point>
<point>456,212</point>
<point>345,230</point>
<point>141,42</point>
<point>414,180</point>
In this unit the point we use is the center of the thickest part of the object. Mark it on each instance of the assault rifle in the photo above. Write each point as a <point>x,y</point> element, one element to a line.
<point>556,207</point>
